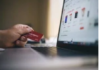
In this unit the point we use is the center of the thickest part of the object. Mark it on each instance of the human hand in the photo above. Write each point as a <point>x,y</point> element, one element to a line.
<point>14,36</point>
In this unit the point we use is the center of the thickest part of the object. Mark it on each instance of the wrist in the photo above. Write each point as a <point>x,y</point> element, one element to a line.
<point>2,32</point>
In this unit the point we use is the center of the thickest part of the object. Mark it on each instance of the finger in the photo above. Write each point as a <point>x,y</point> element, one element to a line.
<point>25,29</point>
<point>20,43</point>
<point>8,45</point>
<point>24,39</point>
<point>22,29</point>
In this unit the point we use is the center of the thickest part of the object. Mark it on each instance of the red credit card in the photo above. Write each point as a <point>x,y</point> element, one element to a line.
<point>34,36</point>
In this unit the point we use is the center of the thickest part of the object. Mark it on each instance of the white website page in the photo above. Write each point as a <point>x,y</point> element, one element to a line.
<point>79,21</point>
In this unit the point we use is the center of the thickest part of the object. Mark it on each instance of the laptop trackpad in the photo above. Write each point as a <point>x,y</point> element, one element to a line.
<point>68,52</point>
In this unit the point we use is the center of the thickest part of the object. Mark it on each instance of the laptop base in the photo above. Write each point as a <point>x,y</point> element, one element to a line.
<point>56,51</point>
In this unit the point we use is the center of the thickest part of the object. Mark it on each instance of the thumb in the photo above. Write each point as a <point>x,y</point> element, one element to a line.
<point>20,43</point>
<point>25,30</point>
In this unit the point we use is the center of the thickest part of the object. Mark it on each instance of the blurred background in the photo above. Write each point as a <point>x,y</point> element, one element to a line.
<point>42,15</point>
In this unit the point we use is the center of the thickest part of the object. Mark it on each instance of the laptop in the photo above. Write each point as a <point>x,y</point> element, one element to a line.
<point>78,36</point>
<point>78,30</point>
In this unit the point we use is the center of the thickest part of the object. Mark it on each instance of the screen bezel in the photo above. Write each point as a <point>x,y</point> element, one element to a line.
<point>93,49</point>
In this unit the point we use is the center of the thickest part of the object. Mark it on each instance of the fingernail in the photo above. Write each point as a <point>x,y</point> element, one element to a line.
<point>29,29</point>
<point>23,38</point>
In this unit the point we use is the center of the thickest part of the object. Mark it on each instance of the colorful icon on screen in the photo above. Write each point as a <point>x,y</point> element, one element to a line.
<point>66,18</point>
<point>83,12</point>
<point>70,17</point>
<point>76,14</point>
<point>88,13</point>
<point>81,28</point>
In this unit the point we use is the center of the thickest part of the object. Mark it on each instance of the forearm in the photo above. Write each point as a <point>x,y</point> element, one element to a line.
<point>1,38</point>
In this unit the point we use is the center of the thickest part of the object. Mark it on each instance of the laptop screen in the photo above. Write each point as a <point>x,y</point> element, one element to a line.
<point>79,23</point>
